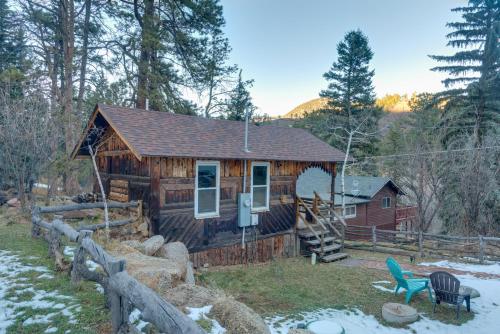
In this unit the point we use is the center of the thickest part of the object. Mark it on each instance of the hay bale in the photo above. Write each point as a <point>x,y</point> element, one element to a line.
<point>237,318</point>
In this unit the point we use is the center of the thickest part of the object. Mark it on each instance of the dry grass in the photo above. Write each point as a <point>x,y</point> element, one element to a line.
<point>290,286</point>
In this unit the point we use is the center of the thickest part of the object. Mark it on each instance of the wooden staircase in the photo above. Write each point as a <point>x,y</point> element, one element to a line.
<point>325,234</point>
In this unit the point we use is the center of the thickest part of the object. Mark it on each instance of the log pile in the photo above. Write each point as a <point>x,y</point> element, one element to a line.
<point>118,190</point>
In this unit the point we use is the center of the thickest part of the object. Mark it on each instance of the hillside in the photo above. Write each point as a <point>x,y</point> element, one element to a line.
<point>390,103</point>
<point>306,107</point>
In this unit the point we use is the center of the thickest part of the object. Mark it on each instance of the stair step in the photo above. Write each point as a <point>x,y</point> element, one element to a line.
<point>334,257</point>
<point>308,234</point>
<point>316,242</point>
<point>327,249</point>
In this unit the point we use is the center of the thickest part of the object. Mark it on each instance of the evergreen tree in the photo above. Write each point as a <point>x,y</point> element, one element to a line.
<point>240,101</point>
<point>473,101</point>
<point>351,100</point>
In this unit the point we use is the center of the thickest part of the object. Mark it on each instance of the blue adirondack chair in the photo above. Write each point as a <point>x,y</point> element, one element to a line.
<point>412,285</point>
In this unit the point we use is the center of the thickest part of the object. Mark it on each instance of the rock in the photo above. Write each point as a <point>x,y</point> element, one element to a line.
<point>464,289</point>
<point>175,251</point>
<point>144,229</point>
<point>156,273</point>
<point>136,244</point>
<point>14,202</point>
<point>237,318</point>
<point>399,313</point>
<point>153,244</point>
<point>187,295</point>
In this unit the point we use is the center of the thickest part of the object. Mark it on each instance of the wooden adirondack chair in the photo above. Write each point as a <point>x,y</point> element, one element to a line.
<point>412,285</point>
<point>447,290</point>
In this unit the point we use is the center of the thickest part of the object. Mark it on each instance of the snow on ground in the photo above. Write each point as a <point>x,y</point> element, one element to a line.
<point>69,251</point>
<point>14,290</point>
<point>486,309</point>
<point>491,268</point>
<point>197,313</point>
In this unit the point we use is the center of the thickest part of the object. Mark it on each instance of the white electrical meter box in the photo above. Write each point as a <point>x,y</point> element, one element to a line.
<point>255,219</point>
<point>244,209</point>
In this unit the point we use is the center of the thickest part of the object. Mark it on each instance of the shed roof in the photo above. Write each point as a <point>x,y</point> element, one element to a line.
<point>158,134</point>
<point>364,186</point>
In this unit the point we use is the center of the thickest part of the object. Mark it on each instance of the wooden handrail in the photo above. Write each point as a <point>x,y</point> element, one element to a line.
<point>331,210</point>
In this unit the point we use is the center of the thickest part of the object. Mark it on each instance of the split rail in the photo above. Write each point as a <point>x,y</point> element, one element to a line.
<point>123,292</point>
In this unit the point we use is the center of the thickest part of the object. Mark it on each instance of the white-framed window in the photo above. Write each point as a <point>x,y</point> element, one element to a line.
<point>207,189</point>
<point>260,186</point>
<point>386,202</point>
<point>350,211</point>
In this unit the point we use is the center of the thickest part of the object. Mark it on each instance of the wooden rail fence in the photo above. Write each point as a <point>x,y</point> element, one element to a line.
<point>373,238</point>
<point>123,292</point>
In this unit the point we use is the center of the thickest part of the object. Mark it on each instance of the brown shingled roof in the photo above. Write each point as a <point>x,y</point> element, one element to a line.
<point>151,133</point>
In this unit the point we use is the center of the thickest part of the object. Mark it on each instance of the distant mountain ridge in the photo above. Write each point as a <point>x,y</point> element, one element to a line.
<point>401,105</point>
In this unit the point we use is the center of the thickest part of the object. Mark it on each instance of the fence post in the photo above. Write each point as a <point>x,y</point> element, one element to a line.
<point>374,236</point>
<point>119,304</point>
<point>481,249</point>
<point>421,243</point>
<point>35,229</point>
<point>54,239</point>
<point>79,257</point>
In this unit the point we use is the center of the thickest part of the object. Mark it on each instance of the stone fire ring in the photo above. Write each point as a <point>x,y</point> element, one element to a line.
<point>399,313</point>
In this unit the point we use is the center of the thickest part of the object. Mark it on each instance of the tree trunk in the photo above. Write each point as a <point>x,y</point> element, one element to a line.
<point>144,66</point>
<point>83,64</point>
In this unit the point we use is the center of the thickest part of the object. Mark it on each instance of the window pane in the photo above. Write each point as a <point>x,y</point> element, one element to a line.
<point>207,200</point>
<point>259,197</point>
<point>207,176</point>
<point>259,175</point>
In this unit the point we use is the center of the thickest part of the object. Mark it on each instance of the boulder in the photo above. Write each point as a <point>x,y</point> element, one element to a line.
<point>14,202</point>
<point>237,318</point>
<point>143,229</point>
<point>468,290</point>
<point>175,251</point>
<point>136,244</point>
<point>156,273</point>
<point>153,244</point>
<point>188,295</point>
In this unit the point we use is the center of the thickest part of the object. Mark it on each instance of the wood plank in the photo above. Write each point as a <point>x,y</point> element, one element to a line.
<point>118,197</point>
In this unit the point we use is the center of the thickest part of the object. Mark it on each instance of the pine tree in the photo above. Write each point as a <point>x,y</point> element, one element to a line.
<point>473,101</point>
<point>351,99</point>
<point>240,101</point>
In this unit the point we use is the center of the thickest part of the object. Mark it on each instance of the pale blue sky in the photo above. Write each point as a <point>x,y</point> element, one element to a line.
<point>287,45</point>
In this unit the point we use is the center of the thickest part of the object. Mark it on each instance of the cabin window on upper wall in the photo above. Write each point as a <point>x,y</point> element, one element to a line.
<point>386,202</point>
<point>207,189</point>
<point>260,186</point>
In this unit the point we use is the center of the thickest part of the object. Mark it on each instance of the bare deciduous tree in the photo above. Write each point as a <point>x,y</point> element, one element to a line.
<point>26,133</point>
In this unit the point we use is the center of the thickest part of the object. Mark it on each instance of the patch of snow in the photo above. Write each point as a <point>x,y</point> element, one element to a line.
<point>197,313</point>
<point>45,275</point>
<point>51,330</point>
<point>377,285</point>
<point>69,251</point>
<point>136,320</point>
<point>492,268</point>
<point>486,318</point>
<point>41,301</point>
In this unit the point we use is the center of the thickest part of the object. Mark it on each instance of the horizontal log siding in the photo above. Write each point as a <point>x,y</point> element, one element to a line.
<point>177,185</point>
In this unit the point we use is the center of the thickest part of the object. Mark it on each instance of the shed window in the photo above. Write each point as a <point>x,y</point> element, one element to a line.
<point>207,189</point>
<point>386,202</point>
<point>260,186</point>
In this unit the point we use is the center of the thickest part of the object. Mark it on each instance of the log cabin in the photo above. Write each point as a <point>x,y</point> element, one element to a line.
<point>198,183</point>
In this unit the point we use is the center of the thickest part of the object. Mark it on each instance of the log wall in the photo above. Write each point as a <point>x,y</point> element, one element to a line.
<point>278,246</point>
<point>166,185</point>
